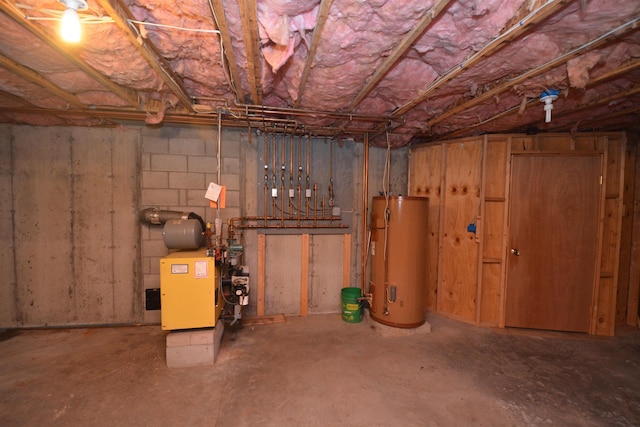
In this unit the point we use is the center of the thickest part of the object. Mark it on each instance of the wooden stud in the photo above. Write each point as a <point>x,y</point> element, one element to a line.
<point>634,267</point>
<point>593,328</point>
<point>346,261</point>
<point>480,226</point>
<point>505,235</point>
<point>262,245</point>
<point>304,276</point>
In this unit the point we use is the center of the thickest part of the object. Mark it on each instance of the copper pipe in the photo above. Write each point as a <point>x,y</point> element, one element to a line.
<point>266,191</point>
<point>237,222</point>
<point>282,202</point>
<point>365,200</point>
<point>299,204</point>
<point>315,203</point>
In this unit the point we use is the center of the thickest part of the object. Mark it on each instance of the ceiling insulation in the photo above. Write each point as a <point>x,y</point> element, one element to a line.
<point>400,71</point>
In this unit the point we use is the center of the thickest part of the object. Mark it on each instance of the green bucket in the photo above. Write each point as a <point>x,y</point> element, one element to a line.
<point>351,307</point>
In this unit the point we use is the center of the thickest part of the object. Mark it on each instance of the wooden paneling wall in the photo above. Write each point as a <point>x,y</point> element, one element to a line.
<point>467,182</point>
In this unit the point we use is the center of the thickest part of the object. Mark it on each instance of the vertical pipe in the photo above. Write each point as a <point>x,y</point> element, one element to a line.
<point>365,199</point>
<point>265,198</point>
<point>290,196</point>
<point>315,203</point>
<point>275,180</point>
<point>308,185</point>
<point>219,156</point>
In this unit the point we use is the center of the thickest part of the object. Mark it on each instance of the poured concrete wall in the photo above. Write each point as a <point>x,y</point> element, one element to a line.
<point>70,247</point>
<point>73,252</point>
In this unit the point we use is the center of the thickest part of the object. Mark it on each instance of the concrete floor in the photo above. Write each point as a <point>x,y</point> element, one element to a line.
<point>320,371</point>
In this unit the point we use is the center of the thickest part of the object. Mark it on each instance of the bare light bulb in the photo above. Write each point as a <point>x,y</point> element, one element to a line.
<point>70,26</point>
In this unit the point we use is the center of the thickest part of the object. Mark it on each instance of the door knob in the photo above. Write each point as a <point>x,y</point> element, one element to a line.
<point>515,252</point>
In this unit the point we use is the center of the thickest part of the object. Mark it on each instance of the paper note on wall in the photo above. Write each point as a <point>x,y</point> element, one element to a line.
<point>221,200</point>
<point>213,192</point>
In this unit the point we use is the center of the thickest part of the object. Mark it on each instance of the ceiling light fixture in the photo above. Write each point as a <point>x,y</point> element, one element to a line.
<point>70,25</point>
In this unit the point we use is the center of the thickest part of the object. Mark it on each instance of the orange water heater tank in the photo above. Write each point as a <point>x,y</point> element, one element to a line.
<point>398,255</point>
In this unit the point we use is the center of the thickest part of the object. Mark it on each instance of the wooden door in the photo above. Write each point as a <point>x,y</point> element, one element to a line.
<point>553,231</point>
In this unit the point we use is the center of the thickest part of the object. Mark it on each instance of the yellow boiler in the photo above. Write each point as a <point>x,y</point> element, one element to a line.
<point>189,290</point>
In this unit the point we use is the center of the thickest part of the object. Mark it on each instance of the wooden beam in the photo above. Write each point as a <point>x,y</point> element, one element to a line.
<point>262,245</point>
<point>399,50</point>
<point>323,13</point>
<point>304,276</point>
<point>634,267</point>
<point>35,77</point>
<point>612,74</point>
<point>126,94</point>
<point>147,50</point>
<point>14,98</point>
<point>521,27</point>
<point>249,17</point>
<point>346,261</point>
<point>217,10</point>
<point>560,60</point>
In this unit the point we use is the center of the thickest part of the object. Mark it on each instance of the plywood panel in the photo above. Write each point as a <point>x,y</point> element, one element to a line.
<point>610,237</point>
<point>614,165</point>
<point>555,142</point>
<point>282,275</point>
<point>586,143</point>
<point>492,231</point>
<point>626,232</point>
<point>522,143</point>
<point>605,317</point>
<point>495,170</point>
<point>458,287</point>
<point>425,179</point>
<point>633,313</point>
<point>490,295</point>
<point>325,273</point>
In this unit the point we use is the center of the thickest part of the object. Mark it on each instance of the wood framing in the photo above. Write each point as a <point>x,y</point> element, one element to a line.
<point>262,244</point>
<point>304,275</point>
<point>467,271</point>
<point>346,261</point>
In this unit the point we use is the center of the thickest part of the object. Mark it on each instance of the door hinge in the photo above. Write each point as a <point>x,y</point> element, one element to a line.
<point>600,179</point>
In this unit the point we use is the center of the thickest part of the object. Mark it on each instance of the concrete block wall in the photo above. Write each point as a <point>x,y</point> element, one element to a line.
<point>177,166</point>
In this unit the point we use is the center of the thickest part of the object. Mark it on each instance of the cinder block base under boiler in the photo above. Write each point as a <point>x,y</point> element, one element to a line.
<point>194,347</point>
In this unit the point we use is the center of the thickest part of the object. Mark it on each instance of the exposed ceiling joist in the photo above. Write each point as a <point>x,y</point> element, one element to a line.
<point>407,73</point>
<point>217,10</point>
<point>399,50</point>
<point>34,77</point>
<point>491,48</point>
<point>249,16</point>
<point>560,60</point>
<point>146,49</point>
<point>595,122</point>
<point>615,73</point>
<point>323,13</point>
<point>14,98</point>
<point>126,94</point>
